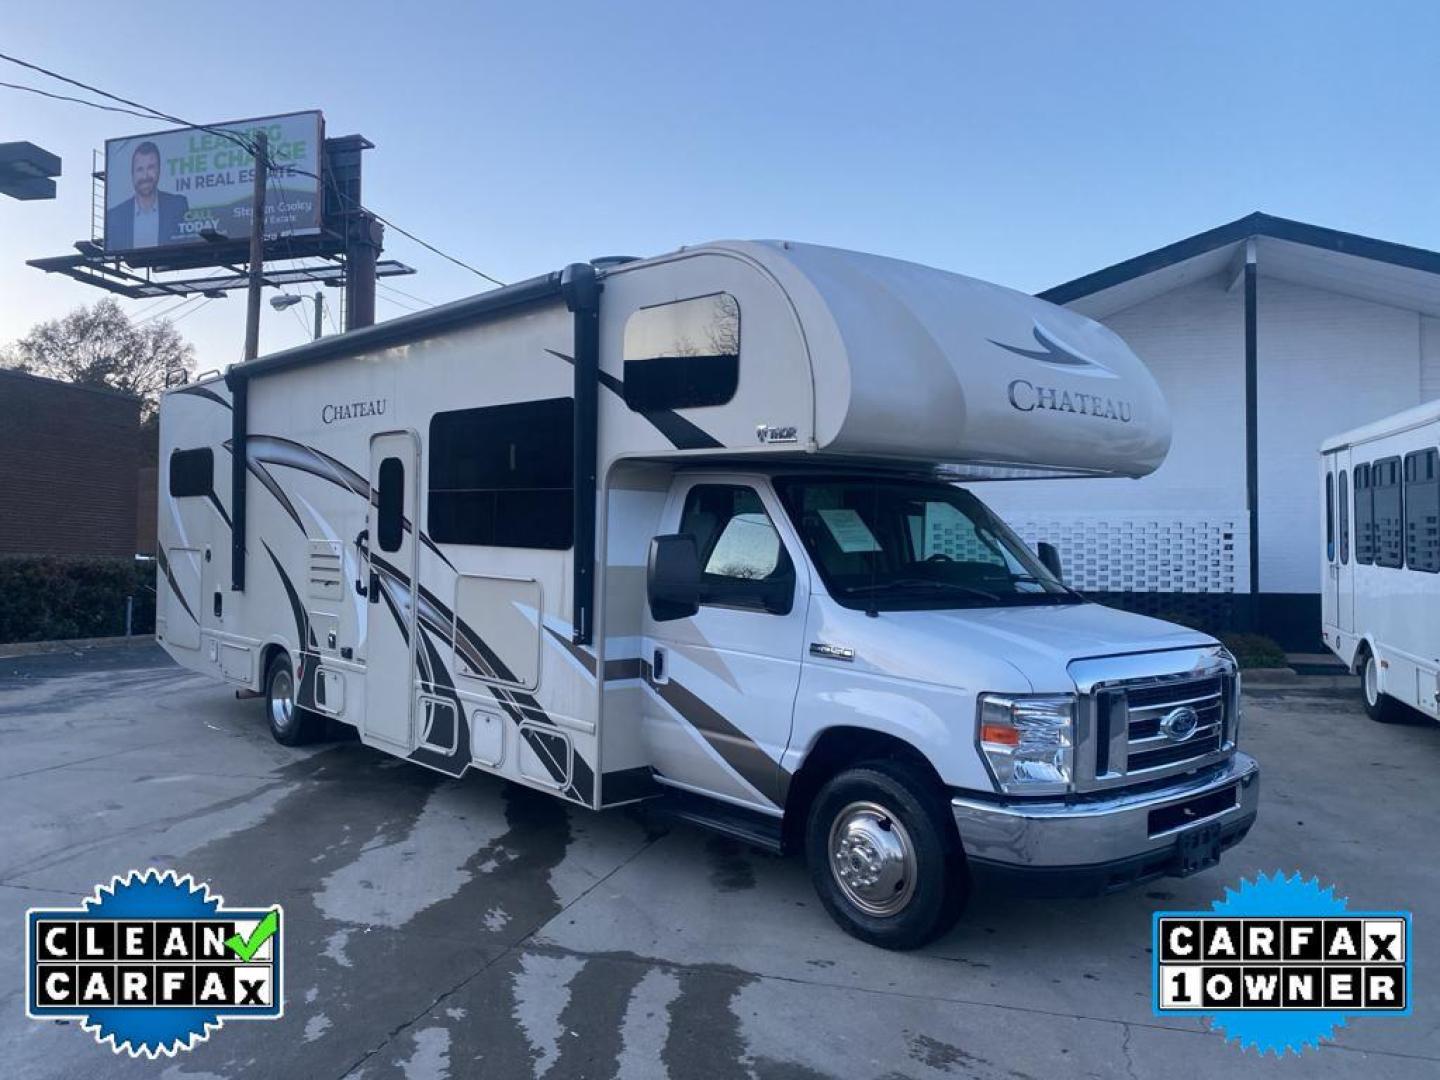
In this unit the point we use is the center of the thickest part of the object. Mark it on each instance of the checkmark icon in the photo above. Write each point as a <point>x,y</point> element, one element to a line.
<point>245,948</point>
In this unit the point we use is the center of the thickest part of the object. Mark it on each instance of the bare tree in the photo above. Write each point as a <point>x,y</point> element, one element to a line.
<point>100,346</point>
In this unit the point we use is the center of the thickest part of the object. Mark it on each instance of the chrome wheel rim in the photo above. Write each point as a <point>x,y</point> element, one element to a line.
<point>282,700</point>
<point>872,859</point>
<point>1372,682</point>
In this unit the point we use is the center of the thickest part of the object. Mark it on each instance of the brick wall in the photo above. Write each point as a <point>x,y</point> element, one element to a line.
<point>69,456</point>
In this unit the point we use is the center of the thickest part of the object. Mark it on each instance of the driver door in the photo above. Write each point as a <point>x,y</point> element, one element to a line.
<point>722,682</point>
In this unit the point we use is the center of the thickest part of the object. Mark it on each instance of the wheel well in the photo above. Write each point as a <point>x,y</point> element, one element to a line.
<point>836,749</point>
<point>1357,666</point>
<point>268,654</point>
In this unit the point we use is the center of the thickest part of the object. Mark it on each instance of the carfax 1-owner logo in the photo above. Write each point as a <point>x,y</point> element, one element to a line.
<point>153,962</point>
<point>1281,963</point>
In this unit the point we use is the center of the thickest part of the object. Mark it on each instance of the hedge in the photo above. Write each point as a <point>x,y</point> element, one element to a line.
<point>50,598</point>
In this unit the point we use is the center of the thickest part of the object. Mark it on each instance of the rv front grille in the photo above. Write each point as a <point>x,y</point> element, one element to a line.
<point>1148,728</point>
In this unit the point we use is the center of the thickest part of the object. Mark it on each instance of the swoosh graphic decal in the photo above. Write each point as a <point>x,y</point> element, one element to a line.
<point>1051,351</point>
<point>683,435</point>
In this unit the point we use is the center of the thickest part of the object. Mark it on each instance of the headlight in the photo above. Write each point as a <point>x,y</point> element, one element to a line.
<point>1029,741</point>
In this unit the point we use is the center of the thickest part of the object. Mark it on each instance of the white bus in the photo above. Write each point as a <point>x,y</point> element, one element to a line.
<point>688,529</point>
<point>1380,606</point>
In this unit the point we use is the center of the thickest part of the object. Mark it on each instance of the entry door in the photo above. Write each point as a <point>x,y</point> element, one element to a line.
<point>1345,529</point>
<point>393,554</point>
<point>1329,597</point>
<point>722,683</point>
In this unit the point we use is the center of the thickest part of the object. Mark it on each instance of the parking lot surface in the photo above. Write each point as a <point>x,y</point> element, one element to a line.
<point>472,928</point>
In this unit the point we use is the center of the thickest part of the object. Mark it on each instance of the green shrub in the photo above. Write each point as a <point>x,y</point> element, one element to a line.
<point>49,598</point>
<point>1255,650</point>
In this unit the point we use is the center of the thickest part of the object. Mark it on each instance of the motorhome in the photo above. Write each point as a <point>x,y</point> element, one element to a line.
<point>1380,559</point>
<point>705,530</point>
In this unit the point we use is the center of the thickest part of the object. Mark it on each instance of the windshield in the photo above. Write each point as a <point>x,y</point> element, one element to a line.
<point>889,544</point>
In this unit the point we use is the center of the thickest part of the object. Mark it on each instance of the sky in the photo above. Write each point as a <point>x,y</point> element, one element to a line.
<point>1024,143</point>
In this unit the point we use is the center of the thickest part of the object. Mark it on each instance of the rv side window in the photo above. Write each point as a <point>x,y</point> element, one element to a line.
<point>1385,489</point>
<point>192,472</point>
<point>744,563</point>
<point>1344,497</point>
<point>683,355</point>
<point>1364,516</point>
<point>1330,516</point>
<point>502,475</point>
<point>390,519</point>
<point>1422,510</point>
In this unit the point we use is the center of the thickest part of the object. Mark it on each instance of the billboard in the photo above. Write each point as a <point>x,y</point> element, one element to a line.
<point>163,190</point>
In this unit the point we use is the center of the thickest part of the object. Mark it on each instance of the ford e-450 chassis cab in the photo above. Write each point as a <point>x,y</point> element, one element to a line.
<point>706,530</point>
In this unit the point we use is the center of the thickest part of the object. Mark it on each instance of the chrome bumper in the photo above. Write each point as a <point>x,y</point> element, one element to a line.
<point>1110,829</point>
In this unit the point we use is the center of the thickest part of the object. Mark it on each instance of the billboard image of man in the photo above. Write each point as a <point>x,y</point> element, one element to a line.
<point>150,217</point>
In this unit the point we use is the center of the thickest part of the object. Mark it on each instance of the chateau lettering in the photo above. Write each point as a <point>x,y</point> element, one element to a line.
<point>1027,397</point>
<point>353,410</point>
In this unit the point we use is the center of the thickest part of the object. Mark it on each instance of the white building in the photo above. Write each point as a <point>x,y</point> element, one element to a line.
<point>1267,336</point>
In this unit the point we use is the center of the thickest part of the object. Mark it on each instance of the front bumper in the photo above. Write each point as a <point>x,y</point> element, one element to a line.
<point>1100,843</point>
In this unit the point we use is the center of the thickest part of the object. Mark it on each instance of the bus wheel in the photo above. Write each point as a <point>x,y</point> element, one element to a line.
<point>1378,706</point>
<point>289,724</point>
<point>884,855</point>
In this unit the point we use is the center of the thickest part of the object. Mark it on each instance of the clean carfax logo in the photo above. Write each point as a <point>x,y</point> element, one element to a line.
<point>152,962</point>
<point>1280,963</point>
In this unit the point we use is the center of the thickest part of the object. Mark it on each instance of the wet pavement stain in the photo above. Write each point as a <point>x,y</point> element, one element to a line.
<point>730,866</point>
<point>346,801</point>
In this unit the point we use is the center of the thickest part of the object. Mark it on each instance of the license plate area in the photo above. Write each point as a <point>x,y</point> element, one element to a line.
<point>1169,819</point>
<point>1196,849</point>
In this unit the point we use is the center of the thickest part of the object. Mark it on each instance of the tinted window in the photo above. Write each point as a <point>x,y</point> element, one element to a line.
<point>683,355</point>
<point>192,472</point>
<point>1330,516</point>
<point>1389,530</point>
<point>1422,511</point>
<point>502,475</point>
<point>390,518</point>
<point>742,558</point>
<point>1344,518</point>
<point>1364,516</point>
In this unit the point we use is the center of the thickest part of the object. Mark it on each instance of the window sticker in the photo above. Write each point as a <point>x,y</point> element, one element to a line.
<point>849,531</point>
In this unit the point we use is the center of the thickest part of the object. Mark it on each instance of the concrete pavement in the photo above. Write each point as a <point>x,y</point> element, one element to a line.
<point>441,928</point>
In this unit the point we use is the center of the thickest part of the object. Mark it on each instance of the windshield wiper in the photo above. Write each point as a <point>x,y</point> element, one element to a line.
<point>920,583</point>
<point>1031,579</point>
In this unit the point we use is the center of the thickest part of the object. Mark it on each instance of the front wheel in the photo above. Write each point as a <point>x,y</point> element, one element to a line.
<point>1379,707</point>
<point>884,855</point>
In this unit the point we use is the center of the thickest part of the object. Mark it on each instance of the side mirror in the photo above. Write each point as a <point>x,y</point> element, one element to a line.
<point>672,577</point>
<point>1050,559</point>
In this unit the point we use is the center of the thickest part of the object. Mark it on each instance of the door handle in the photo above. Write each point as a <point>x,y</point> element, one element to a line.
<point>374,590</point>
<point>659,670</point>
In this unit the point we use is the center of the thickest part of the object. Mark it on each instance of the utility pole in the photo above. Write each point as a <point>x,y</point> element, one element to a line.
<point>319,314</point>
<point>257,247</point>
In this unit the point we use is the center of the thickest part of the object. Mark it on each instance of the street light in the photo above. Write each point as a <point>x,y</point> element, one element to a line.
<point>289,300</point>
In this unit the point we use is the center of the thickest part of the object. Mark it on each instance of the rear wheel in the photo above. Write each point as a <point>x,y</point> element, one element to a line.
<point>884,856</point>
<point>1378,706</point>
<point>289,723</point>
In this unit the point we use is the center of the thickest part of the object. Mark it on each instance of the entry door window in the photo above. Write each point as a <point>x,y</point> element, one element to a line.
<point>391,504</point>
<point>744,564</point>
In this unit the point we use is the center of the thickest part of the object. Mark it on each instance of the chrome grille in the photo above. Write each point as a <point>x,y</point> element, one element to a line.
<point>1142,726</point>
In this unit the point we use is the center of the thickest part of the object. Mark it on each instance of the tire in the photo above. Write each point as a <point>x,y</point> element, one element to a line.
<point>289,724</point>
<point>906,883</point>
<point>1380,707</point>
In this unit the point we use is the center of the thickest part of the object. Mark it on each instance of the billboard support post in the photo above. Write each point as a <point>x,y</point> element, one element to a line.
<point>364,239</point>
<point>257,248</point>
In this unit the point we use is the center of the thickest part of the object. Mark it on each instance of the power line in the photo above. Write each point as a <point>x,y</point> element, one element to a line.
<point>187,314</point>
<point>76,100</point>
<point>408,296</point>
<point>154,113</point>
